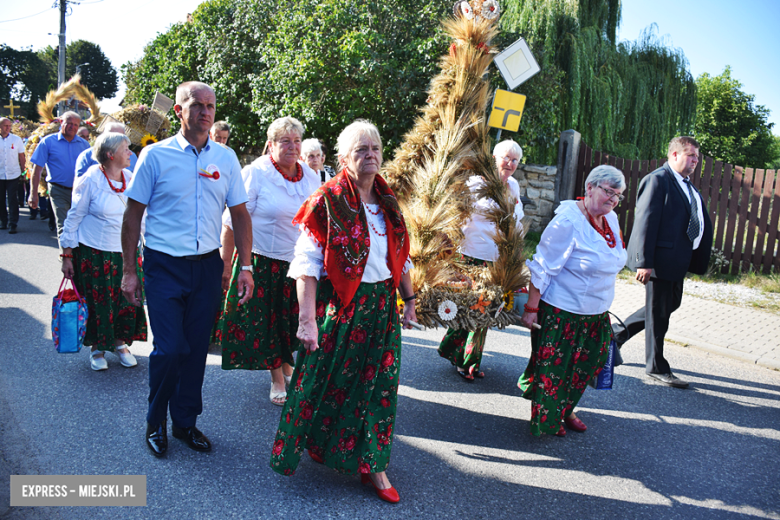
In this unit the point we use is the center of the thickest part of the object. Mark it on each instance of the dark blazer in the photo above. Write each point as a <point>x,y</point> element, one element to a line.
<point>659,239</point>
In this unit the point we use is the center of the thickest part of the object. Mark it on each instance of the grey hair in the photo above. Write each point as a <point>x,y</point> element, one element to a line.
<point>606,174</point>
<point>185,90</point>
<point>310,145</point>
<point>70,115</point>
<point>507,146</point>
<point>284,125</point>
<point>350,136</point>
<point>220,126</point>
<point>112,127</point>
<point>108,143</point>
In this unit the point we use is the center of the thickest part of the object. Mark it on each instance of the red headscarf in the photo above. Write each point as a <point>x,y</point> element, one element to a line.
<point>334,216</point>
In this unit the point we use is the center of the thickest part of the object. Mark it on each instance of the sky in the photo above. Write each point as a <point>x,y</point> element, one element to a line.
<point>711,33</point>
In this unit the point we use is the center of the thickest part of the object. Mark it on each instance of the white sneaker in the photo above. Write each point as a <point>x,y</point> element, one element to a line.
<point>98,361</point>
<point>126,358</point>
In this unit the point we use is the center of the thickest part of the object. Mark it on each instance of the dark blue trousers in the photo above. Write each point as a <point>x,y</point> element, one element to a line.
<point>183,298</point>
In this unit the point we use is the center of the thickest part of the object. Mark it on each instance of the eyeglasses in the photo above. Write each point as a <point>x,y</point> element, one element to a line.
<point>612,194</point>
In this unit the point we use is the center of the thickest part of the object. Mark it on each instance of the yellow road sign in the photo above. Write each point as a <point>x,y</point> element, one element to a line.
<point>507,110</point>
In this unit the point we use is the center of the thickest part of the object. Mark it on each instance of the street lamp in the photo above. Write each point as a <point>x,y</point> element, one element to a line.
<point>78,67</point>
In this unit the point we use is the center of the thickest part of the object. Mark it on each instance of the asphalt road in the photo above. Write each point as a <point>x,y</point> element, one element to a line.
<point>462,450</point>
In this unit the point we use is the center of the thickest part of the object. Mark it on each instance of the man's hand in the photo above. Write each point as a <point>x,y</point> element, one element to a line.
<point>32,201</point>
<point>643,275</point>
<point>131,288</point>
<point>246,286</point>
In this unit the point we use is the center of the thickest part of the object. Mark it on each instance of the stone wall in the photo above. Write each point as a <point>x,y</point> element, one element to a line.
<point>537,191</point>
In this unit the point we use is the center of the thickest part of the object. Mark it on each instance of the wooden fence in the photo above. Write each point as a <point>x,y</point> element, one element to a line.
<point>743,204</point>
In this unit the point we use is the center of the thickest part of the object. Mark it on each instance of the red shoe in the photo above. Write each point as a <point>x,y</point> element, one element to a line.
<point>388,495</point>
<point>575,424</point>
<point>561,432</point>
<point>315,457</point>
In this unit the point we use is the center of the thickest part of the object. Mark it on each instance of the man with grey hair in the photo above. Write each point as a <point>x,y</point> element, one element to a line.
<point>183,183</point>
<point>11,166</point>
<point>87,159</point>
<point>58,153</point>
<point>672,235</point>
<point>220,132</point>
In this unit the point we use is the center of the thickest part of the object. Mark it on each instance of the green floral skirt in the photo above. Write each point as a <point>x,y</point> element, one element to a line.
<point>259,335</point>
<point>566,353</point>
<point>463,348</point>
<point>98,278</point>
<point>342,399</point>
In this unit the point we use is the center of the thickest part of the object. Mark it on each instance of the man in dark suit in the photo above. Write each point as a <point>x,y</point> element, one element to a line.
<point>672,235</point>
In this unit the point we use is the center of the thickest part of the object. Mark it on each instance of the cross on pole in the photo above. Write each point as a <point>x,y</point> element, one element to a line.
<point>11,107</point>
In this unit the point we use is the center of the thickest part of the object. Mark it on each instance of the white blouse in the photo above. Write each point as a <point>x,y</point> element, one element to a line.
<point>479,241</point>
<point>309,257</point>
<point>96,211</point>
<point>574,268</point>
<point>273,203</point>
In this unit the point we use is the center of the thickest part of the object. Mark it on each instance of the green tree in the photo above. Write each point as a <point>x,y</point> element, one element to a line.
<point>22,77</point>
<point>97,73</point>
<point>775,150</point>
<point>729,125</point>
<point>626,98</point>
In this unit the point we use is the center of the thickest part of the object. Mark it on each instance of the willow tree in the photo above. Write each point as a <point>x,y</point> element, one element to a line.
<point>625,98</point>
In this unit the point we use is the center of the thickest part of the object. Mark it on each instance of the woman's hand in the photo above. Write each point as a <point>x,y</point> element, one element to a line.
<point>530,319</point>
<point>226,273</point>
<point>308,333</point>
<point>67,267</point>
<point>410,314</point>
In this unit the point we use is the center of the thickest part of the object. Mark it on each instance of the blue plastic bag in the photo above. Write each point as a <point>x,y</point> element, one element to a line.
<point>603,381</point>
<point>68,319</point>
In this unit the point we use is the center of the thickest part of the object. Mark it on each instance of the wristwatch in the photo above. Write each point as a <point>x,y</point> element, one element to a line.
<point>246,267</point>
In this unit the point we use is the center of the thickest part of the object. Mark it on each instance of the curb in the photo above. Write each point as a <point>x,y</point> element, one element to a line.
<point>753,359</point>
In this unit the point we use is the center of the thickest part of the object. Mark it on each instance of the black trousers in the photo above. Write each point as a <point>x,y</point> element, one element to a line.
<point>662,297</point>
<point>9,205</point>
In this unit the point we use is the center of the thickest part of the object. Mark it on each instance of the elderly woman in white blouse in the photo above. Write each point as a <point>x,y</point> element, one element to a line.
<point>463,348</point>
<point>572,287</point>
<point>92,252</point>
<point>260,335</point>
<point>355,246</point>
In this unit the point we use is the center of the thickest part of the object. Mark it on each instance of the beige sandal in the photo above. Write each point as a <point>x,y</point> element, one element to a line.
<point>278,398</point>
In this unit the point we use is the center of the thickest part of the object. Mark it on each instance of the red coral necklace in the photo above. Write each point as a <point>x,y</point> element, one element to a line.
<point>607,233</point>
<point>298,175</point>
<point>371,223</point>
<point>110,184</point>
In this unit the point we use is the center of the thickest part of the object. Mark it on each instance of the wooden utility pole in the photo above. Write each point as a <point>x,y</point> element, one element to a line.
<point>61,63</point>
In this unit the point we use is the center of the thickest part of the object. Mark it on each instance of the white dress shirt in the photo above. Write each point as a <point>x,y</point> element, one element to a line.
<point>96,211</point>
<point>273,203</point>
<point>309,257</point>
<point>681,182</point>
<point>10,148</point>
<point>479,241</point>
<point>574,268</point>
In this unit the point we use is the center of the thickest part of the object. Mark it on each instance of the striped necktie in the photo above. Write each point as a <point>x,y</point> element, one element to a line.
<point>693,224</point>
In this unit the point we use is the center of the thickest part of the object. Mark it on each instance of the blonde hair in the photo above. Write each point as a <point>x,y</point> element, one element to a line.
<point>351,135</point>
<point>284,125</point>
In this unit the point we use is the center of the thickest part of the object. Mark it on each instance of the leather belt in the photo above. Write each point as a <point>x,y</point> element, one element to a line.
<point>204,256</point>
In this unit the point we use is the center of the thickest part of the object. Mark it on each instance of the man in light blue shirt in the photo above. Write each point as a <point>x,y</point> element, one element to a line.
<point>183,183</point>
<point>58,153</point>
<point>87,159</point>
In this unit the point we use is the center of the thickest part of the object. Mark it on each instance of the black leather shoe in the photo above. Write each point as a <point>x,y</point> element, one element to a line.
<point>3,225</point>
<point>193,437</point>
<point>157,438</point>
<point>670,379</point>
<point>33,216</point>
<point>12,230</point>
